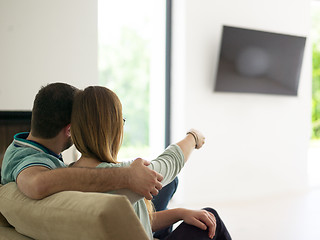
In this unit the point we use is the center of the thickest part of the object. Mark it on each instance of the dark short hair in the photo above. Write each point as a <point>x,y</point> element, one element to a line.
<point>52,109</point>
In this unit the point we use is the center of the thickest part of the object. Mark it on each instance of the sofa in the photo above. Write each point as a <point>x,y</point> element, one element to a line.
<point>67,215</point>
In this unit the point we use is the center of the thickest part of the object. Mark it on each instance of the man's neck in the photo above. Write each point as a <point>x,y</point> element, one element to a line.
<point>52,143</point>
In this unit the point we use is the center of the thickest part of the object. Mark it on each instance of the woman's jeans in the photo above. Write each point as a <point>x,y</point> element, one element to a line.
<point>184,231</point>
<point>160,203</point>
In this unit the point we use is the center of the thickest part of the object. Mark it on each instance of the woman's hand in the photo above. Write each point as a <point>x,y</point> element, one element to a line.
<point>198,137</point>
<point>201,219</point>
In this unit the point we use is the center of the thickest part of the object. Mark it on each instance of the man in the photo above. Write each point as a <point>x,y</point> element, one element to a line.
<point>34,162</point>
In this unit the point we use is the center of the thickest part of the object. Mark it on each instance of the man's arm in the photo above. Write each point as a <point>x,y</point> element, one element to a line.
<point>38,182</point>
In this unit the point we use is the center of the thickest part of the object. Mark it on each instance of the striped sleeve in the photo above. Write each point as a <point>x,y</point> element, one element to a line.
<point>169,163</point>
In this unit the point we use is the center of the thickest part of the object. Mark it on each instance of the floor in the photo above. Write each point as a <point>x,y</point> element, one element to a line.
<point>290,217</point>
<point>295,217</point>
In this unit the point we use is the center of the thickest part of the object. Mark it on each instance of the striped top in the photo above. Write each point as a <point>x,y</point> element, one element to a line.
<point>23,153</point>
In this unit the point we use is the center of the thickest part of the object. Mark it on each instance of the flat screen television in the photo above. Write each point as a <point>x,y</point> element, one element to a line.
<point>253,61</point>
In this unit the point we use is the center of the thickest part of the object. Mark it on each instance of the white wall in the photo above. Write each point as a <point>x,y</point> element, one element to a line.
<point>256,144</point>
<point>44,41</point>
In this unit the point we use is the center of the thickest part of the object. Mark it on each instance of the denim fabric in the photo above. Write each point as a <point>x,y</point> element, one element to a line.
<point>160,203</point>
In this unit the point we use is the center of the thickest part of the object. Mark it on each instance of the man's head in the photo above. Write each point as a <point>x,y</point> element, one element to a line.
<point>52,109</point>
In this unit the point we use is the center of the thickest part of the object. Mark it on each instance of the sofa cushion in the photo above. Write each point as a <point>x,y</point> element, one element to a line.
<point>3,220</point>
<point>8,233</point>
<point>71,215</point>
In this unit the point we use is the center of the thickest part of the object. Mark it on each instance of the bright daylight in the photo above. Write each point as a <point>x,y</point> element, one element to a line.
<point>131,62</point>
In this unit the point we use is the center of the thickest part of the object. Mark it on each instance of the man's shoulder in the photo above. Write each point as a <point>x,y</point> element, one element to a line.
<point>18,149</point>
<point>16,153</point>
<point>17,158</point>
<point>12,158</point>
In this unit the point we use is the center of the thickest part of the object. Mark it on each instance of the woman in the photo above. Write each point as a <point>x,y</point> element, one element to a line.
<point>97,132</point>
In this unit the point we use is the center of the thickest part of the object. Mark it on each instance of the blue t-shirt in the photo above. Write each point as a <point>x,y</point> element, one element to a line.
<point>23,153</point>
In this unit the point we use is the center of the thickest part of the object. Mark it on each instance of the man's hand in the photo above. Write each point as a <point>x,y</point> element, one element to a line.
<point>143,180</point>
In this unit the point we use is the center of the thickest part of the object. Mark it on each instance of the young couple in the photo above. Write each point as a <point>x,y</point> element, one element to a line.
<point>34,160</point>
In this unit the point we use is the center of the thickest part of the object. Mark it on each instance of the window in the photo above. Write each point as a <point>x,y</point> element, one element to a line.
<point>314,151</point>
<point>132,64</point>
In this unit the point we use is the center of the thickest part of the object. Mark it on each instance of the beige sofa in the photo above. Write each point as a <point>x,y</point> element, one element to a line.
<point>67,215</point>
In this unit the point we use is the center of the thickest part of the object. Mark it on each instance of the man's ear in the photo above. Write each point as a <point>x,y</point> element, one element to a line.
<point>68,130</point>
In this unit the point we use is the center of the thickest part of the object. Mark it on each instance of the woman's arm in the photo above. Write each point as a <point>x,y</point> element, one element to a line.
<point>198,218</point>
<point>172,160</point>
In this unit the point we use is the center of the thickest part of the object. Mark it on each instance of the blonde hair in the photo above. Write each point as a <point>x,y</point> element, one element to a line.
<point>97,126</point>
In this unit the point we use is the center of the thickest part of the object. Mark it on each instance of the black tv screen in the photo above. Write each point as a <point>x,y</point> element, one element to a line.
<point>254,61</point>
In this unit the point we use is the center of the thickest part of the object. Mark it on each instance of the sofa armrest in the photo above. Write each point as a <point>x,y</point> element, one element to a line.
<point>71,215</point>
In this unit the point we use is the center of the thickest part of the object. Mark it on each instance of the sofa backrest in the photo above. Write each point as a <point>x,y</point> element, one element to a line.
<point>70,215</point>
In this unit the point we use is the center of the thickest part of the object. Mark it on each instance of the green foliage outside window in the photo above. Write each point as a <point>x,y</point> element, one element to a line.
<point>125,69</point>
<point>316,92</point>
<point>316,73</point>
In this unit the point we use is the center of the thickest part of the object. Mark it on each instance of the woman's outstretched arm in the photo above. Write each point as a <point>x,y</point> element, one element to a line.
<point>172,160</point>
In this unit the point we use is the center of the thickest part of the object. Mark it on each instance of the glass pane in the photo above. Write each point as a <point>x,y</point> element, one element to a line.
<point>131,63</point>
<point>315,38</point>
<point>314,149</point>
